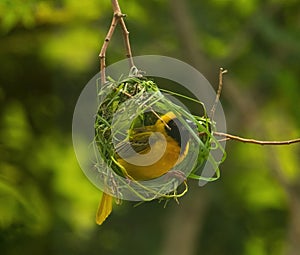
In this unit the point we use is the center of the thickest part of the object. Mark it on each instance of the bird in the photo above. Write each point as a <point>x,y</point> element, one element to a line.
<point>150,152</point>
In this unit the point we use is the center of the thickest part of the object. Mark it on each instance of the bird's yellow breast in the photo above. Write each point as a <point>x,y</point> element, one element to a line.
<point>168,154</point>
<point>162,154</point>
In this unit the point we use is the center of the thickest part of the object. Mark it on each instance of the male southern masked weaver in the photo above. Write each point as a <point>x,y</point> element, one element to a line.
<point>169,139</point>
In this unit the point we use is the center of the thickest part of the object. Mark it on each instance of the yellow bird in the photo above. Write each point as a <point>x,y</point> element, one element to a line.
<point>151,152</point>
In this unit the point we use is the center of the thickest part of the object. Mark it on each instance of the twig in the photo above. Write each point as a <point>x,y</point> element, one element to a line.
<point>213,109</point>
<point>102,53</point>
<point>116,6</point>
<point>127,42</point>
<point>260,142</point>
<point>117,17</point>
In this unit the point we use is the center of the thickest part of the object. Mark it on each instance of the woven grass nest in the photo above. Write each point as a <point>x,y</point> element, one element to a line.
<point>133,102</point>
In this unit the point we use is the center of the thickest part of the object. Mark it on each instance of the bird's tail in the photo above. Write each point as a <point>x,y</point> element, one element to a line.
<point>104,209</point>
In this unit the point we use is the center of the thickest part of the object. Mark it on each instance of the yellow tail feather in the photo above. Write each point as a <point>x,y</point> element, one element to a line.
<point>104,209</point>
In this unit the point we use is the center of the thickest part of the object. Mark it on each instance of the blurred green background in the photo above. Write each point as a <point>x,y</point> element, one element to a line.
<point>49,51</point>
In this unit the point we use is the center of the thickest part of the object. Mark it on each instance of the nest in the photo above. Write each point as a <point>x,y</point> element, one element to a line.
<point>135,102</point>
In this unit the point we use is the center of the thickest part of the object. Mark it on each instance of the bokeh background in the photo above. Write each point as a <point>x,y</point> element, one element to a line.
<point>49,51</point>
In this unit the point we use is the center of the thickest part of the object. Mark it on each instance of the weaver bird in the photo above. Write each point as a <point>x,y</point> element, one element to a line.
<point>150,153</point>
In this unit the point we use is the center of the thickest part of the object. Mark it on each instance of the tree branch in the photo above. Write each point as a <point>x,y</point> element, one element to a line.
<point>116,6</point>
<point>127,42</point>
<point>117,17</point>
<point>102,53</point>
<point>260,142</point>
<point>213,109</point>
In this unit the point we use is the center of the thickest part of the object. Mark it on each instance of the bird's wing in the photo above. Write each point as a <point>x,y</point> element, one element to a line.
<point>137,143</point>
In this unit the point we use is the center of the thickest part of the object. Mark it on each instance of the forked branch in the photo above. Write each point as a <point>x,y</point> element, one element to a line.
<point>226,136</point>
<point>118,16</point>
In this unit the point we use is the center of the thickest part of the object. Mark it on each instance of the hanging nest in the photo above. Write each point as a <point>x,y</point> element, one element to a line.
<point>133,103</point>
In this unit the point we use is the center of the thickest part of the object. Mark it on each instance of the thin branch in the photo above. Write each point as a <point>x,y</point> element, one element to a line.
<point>260,142</point>
<point>117,17</point>
<point>116,6</point>
<point>117,10</point>
<point>127,42</point>
<point>102,53</point>
<point>213,109</point>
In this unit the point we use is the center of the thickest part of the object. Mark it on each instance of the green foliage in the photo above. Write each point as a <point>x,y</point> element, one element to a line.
<point>16,11</point>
